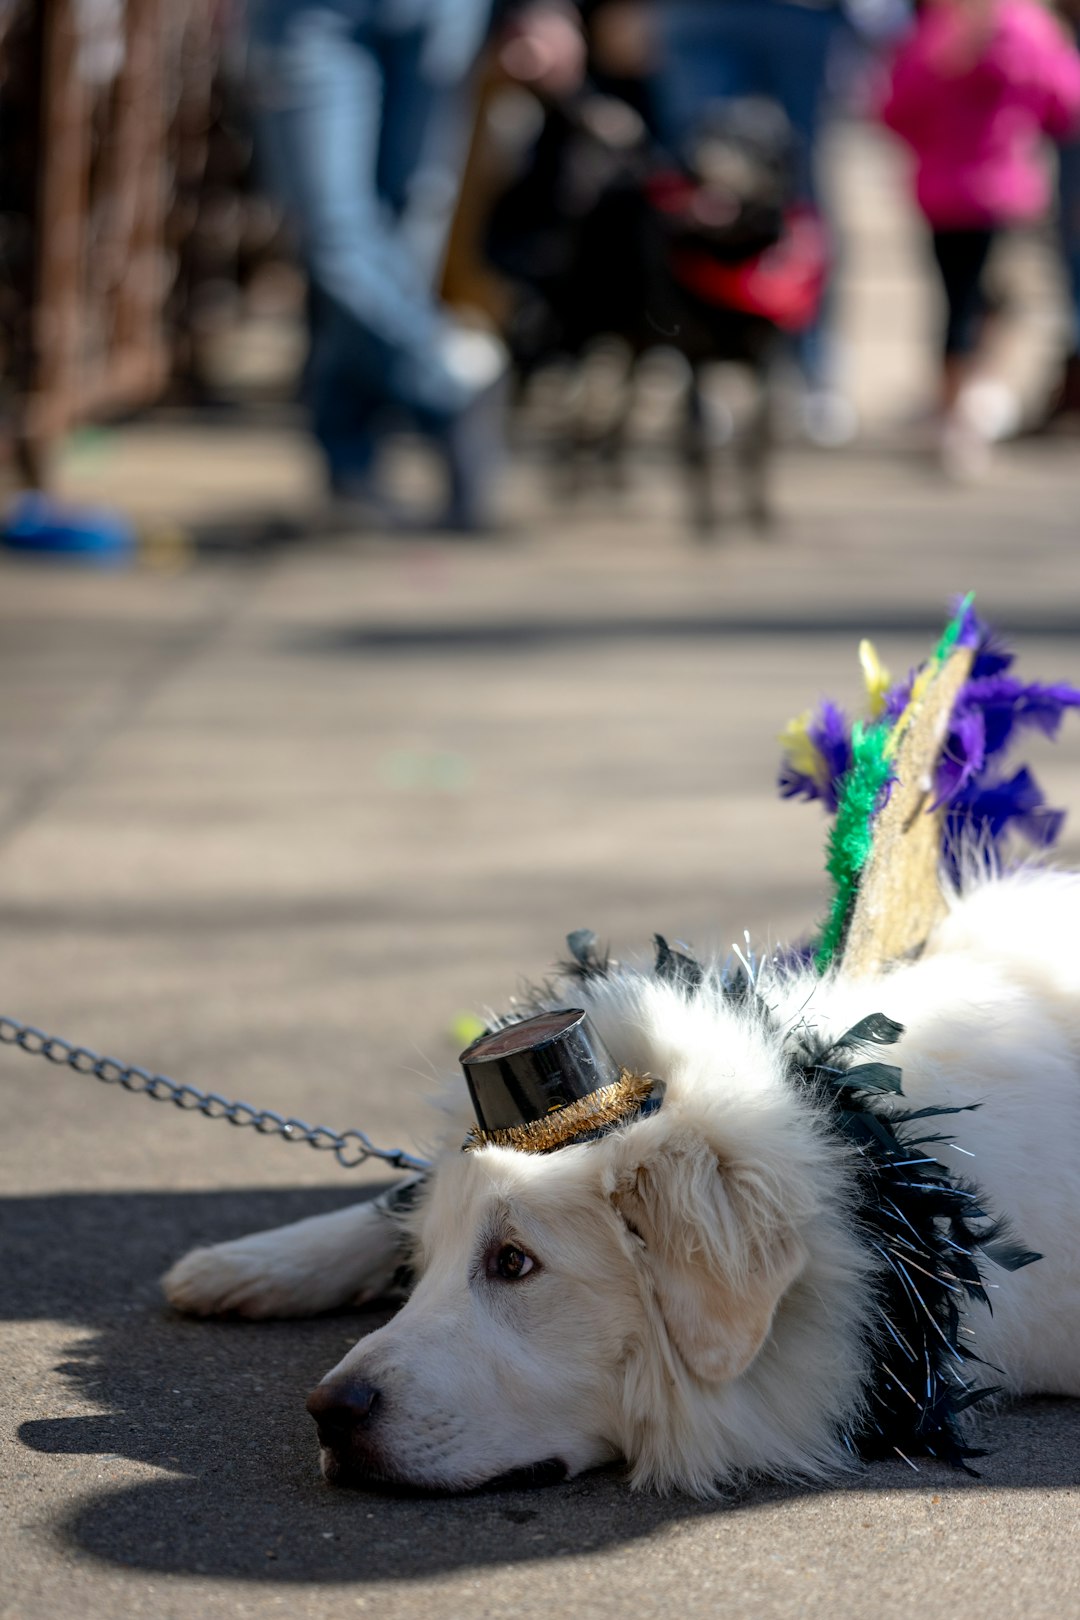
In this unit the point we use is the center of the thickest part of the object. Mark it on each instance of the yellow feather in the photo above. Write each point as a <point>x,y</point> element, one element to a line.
<point>801,751</point>
<point>877,678</point>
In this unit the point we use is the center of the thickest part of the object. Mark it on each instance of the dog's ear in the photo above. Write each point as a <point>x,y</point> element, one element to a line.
<point>717,1252</point>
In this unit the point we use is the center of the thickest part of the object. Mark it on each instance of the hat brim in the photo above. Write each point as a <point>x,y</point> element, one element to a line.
<point>578,1121</point>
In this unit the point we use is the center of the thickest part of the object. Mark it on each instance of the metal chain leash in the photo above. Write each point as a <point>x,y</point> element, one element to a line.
<point>350,1148</point>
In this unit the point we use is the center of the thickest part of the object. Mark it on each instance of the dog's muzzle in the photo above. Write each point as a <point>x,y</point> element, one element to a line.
<point>345,1411</point>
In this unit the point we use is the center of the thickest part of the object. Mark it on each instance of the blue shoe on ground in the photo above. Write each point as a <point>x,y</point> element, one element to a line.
<point>38,525</point>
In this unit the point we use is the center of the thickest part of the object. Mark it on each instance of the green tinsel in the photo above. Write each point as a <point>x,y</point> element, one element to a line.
<point>852,836</point>
<point>951,634</point>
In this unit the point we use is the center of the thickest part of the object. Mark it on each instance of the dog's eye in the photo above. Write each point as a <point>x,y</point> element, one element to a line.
<point>510,1263</point>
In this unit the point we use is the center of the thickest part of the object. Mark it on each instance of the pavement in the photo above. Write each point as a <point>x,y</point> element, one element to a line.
<point>279,812</point>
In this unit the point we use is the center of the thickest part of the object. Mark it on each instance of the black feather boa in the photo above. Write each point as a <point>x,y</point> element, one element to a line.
<point>927,1227</point>
<point>930,1232</point>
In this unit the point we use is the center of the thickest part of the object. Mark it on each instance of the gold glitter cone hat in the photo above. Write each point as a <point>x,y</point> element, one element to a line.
<point>548,1081</point>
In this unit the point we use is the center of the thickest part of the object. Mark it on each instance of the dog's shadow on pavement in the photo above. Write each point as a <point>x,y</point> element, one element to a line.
<point>209,1419</point>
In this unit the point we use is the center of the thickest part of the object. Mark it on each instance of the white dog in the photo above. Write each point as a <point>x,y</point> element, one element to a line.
<point>704,1291</point>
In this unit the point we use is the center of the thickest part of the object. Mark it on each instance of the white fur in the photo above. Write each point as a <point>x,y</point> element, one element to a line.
<point>699,1300</point>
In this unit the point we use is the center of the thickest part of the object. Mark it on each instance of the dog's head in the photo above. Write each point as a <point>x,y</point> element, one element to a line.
<point>591,1303</point>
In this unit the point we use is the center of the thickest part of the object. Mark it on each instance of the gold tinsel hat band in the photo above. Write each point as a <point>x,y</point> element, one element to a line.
<point>547,1081</point>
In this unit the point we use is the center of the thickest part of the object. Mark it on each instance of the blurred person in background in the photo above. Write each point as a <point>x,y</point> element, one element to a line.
<point>719,50</point>
<point>975,88</point>
<point>1065,400</point>
<point>364,110</point>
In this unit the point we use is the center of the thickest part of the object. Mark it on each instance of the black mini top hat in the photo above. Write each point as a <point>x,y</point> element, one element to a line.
<point>547,1081</point>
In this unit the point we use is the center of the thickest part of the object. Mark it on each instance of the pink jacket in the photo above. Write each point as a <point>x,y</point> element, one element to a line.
<point>977,132</point>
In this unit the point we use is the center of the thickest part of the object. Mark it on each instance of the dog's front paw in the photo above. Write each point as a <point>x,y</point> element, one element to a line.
<point>244,1278</point>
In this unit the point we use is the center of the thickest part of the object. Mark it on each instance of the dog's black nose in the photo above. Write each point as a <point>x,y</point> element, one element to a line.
<point>341,1407</point>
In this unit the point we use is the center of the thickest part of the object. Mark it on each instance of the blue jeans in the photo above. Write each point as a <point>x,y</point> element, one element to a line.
<point>362,110</point>
<point>1069,198</point>
<point>714,50</point>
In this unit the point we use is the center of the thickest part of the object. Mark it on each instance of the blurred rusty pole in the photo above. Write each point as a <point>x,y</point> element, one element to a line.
<point>134,283</point>
<point>60,234</point>
<point>101,272</point>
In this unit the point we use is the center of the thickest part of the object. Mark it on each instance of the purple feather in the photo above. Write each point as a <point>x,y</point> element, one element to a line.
<point>991,654</point>
<point>992,807</point>
<point>831,736</point>
<point>1009,705</point>
<point>963,756</point>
